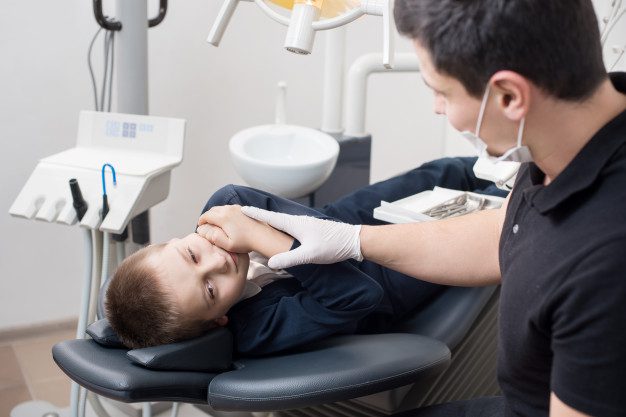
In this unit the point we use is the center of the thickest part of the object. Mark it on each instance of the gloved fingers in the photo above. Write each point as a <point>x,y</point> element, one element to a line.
<point>276,220</point>
<point>288,259</point>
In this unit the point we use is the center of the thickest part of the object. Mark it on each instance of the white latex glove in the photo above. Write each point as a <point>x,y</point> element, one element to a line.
<point>321,241</point>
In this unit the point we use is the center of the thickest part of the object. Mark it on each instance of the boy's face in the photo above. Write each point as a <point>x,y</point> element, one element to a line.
<point>461,109</point>
<point>204,279</point>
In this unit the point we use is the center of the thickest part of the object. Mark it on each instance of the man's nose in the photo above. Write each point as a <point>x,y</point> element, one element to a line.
<point>439,106</point>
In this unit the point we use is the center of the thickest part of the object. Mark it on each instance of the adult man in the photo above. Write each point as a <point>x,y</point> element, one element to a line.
<point>524,72</point>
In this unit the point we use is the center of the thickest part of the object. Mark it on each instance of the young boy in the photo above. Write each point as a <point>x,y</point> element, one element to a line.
<point>179,289</point>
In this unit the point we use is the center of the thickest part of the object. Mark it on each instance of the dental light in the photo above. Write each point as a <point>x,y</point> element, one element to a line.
<point>309,16</point>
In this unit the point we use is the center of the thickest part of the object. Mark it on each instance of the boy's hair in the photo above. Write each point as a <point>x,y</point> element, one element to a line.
<point>140,310</point>
<point>553,43</point>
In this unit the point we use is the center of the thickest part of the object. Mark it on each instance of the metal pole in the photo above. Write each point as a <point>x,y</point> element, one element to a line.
<point>131,59</point>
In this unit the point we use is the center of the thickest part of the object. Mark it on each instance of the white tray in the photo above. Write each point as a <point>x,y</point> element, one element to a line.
<point>411,209</point>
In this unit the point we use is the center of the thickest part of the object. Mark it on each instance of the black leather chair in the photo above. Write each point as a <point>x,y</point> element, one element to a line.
<point>444,352</point>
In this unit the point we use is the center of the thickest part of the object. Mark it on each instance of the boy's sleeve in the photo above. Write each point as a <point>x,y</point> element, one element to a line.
<point>334,298</point>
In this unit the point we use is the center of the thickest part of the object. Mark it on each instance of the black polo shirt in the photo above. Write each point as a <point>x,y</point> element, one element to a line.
<point>563,297</point>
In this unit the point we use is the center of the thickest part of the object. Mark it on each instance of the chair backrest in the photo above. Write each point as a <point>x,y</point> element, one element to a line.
<point>448,317</point>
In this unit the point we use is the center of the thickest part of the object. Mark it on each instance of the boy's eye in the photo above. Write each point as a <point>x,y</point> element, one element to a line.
<point>193,257</point>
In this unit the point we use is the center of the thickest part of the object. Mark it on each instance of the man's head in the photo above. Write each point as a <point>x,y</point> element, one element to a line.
<point>174,291</point>
<point>555,44</point>
<point>528,51</point>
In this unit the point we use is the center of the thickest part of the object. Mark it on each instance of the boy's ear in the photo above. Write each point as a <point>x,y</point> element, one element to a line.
<point>221,321</point>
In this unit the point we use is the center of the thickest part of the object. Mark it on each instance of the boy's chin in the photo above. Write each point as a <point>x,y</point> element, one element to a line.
<point>243,264</point>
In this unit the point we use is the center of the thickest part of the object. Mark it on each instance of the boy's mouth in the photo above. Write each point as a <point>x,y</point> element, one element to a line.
<point>234,256</point>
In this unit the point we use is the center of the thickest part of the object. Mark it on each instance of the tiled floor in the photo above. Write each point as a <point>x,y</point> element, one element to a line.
<point>28,372</point>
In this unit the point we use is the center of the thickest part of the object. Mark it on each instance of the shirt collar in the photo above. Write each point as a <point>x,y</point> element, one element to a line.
<point>585,168</point>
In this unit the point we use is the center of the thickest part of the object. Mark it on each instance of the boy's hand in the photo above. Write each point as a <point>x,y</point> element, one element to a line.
<point>233,231</point>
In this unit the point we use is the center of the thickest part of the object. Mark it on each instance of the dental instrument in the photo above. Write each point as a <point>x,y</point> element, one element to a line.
<point>105,197</point>
<point>458,206</point>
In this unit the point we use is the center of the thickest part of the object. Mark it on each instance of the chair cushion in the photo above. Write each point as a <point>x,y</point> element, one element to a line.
<point>210,352</point>
<point>102,332</point>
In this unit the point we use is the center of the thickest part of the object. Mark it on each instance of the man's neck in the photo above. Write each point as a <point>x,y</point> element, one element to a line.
<point>559,130</point>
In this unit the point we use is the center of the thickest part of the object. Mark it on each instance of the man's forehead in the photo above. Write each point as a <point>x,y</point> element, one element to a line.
<point>424,57</point>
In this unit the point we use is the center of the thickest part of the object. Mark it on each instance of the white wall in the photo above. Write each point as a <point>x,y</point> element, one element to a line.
<point>44,83</point>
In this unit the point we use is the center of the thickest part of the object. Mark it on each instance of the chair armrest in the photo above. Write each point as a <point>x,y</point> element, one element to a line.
<point>335,369</point>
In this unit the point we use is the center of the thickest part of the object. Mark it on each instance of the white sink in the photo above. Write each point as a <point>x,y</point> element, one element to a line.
<point>290,161</point>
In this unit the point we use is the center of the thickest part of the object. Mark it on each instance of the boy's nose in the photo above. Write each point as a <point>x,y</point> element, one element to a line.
<point>216,262</point>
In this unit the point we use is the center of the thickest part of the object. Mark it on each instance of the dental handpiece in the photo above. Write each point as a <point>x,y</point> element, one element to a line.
<point>79,203</point>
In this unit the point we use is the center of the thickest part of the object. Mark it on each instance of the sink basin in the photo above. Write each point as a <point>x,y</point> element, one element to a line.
<point>287,160</point>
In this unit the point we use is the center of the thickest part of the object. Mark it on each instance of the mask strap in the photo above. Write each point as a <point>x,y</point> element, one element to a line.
<point>520,132</point>
<point>481,113</point>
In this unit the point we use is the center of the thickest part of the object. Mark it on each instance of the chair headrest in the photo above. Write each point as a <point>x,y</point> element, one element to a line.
<point>210,352</point>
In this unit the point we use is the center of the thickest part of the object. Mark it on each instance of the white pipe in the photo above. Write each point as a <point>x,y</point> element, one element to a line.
<point>96,237</point>
<point>334,63</point>
<point>120,252</point>
<point>96,405</point>
<point>356,94</point>
<point>83,314</point>
<point>175,410</point>
<point>82,404</point>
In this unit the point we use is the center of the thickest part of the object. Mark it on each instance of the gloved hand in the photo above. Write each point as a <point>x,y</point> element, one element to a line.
<point>321,241</point>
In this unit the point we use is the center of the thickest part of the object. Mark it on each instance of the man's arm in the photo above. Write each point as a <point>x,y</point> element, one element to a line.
<point>460,251</point>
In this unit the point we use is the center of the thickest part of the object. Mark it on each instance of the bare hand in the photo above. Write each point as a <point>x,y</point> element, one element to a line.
<point>228,228</point>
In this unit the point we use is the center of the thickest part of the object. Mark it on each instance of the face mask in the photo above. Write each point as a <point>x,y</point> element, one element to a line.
<point>499,169</point>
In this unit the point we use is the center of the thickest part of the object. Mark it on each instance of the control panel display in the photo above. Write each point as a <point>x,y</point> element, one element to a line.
<point>117,129</point>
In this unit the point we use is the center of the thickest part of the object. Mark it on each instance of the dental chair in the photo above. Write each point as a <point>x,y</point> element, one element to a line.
<point>443,352</point>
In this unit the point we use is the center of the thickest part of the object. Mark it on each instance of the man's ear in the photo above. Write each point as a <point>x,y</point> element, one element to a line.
<point>513,94</point>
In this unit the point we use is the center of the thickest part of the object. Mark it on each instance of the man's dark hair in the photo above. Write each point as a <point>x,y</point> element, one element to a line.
<point>553,43</point>
<point>140,310</point>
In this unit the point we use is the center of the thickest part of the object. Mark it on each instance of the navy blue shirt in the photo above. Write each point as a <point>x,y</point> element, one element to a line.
<point>563,297</point>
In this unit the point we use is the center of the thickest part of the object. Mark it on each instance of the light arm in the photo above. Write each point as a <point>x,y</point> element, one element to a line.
<point>559,409</point>
<point>461,251</point>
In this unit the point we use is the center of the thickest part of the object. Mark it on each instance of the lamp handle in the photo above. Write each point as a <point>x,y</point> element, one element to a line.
<point>114,25</point>
<point>223,18</point>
